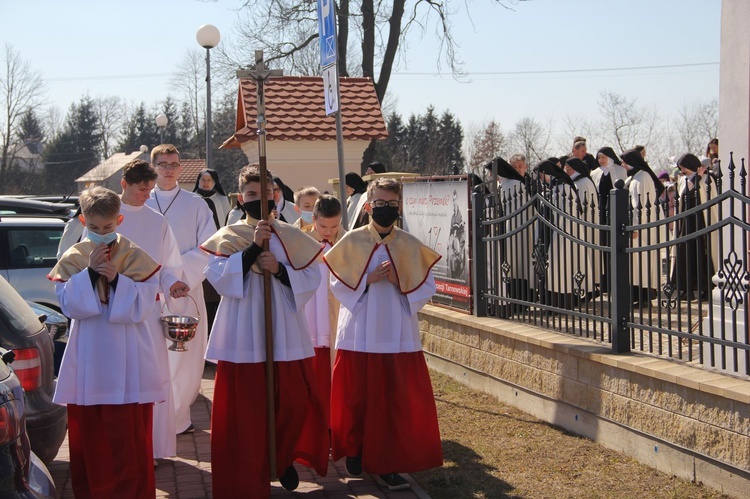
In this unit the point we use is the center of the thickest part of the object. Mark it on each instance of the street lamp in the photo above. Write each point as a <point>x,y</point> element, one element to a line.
<point>161,122</point>
<point>208,37</point>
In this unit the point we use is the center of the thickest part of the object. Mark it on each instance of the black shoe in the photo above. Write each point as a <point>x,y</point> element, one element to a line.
<point>289,480</point>
<point>354,465</point>
<point>189,429</point>
<point>395,481</point>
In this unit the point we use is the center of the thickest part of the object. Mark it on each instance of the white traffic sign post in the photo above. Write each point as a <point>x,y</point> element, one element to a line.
<point>328,57</point>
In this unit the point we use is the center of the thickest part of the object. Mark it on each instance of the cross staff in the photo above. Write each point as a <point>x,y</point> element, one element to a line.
<point>260,74</point>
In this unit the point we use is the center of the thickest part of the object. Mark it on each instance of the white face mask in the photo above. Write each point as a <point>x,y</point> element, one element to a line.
<point>102,238</point>
<point>307,216</point>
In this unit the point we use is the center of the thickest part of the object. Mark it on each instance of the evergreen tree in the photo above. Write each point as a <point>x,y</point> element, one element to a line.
<point>186,136</point>
<point>171,131</point>
<point>139,129</point>
<point>227,162</point>
<point>451,138</point>
<point>30,129</point>
<point>76,150</point>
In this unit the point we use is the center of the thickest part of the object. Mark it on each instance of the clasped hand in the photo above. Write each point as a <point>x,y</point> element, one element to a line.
<point>99,262</point>
<point>266,260</point>
<point>383,271</point>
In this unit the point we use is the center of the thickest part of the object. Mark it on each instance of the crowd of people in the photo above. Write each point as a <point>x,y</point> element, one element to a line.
<point>583,182</point>
<point>349,380</point>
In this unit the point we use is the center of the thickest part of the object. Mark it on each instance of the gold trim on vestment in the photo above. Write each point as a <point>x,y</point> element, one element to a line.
<point>128,258</point>
<point>301,250</point>
<point>412,260</point>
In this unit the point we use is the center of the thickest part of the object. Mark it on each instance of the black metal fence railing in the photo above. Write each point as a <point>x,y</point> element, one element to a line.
<point>666,275</point>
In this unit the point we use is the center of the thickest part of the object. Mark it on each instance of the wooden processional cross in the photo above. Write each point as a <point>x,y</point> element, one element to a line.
<point>260,74</point>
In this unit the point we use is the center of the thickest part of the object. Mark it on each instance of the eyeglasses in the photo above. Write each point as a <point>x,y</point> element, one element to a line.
<point>168,166</point>
<point>379,203</point>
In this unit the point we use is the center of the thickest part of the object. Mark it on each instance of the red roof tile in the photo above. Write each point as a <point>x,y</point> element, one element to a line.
<point>190,170</point>
<point>295,110</point>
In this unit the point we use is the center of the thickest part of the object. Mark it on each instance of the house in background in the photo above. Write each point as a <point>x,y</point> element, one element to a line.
<point>300,138</point>
<point>26,156</point>
<point>109,172</point>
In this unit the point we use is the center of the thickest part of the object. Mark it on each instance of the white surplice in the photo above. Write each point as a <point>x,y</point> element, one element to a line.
<point>192,222</point>
<point>381,319</point>
<point>110,357</point>
<point>238,334</point>
<point>150,230</point>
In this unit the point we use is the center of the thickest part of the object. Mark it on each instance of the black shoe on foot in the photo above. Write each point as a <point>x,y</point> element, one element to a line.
<point>354,465</point>
<point>395,481</point>
<point>189,429</point>
<point>289,480</point>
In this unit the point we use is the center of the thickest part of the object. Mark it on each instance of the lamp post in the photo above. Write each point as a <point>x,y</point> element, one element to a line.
<point>208,37</point>
<point>162,121</point>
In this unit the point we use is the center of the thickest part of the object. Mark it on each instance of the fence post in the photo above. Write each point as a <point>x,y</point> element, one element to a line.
<point>619,269</point>
<point>479,255</point>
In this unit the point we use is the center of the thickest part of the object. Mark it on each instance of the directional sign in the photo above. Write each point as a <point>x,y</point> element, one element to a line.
<point>327,32</point>
<point>331,89</point>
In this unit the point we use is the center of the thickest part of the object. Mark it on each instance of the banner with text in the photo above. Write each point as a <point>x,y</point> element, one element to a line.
<point>436,212</point>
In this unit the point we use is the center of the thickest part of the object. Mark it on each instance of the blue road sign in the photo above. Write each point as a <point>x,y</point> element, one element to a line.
<point>327,32</point>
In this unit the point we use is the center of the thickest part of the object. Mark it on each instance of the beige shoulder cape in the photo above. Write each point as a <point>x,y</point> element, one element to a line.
<point>411,259</point>
<point>301,250</point>
<point>129,260</point>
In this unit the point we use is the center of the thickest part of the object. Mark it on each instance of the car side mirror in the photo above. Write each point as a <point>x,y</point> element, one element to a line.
<point>9,356</point>
<point>42,318</point>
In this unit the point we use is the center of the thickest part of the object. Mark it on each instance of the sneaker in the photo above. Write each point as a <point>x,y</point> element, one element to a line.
<point>354,465</point>
<point>289,480</point>
<point>395,481</point>
<point>189,429</point>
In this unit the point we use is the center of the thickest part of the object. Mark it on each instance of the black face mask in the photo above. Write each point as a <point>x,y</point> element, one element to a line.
<point>252,208</point>
<point>385,216</point>
<point>206,194</point>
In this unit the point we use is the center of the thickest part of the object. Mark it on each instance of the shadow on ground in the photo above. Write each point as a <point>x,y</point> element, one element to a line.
<point>463,475</point>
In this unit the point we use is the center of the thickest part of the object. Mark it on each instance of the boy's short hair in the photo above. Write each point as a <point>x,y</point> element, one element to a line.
<point>386,183</point>
<point>327,206</point>
<point>99,201</point>
<point>304,192</point>
<point>250,174</point>
<point>138,171</point>
<point>163,149</point>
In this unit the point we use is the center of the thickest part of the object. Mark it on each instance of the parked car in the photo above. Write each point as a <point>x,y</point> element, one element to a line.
<point>21,331</point>
<point>22,473</point>
<point>10,205</point>
<point>58,327</point>
<point>28,251</point>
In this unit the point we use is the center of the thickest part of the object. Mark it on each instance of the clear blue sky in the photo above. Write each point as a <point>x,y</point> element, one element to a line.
<point>79,46</point>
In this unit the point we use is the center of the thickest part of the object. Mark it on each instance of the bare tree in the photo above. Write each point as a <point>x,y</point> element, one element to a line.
<point>623,123</point>
<point>21,88</point>
<point>486,142</point>
<point>531,138</point>
<point>190,81</point>
<point>697,123</point>
<point>574,126</point>
<point>111,113</point>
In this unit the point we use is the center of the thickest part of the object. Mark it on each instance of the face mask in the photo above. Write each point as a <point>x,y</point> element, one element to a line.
<point>307,216</point>
<point>99,238</point>
<point>252,208</point>
<point>206,194</point>
<point>385,216</point>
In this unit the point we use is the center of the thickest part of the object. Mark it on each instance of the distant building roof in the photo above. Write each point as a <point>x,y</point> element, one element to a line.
<point>295,110</point>
<point>111,166</point>
<point>190,170</point>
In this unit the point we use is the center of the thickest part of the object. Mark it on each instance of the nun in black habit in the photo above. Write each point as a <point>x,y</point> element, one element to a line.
<point>644,189</point>
<point>695,259</point>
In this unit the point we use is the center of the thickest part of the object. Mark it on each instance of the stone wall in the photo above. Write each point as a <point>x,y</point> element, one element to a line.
<point>681,419</point>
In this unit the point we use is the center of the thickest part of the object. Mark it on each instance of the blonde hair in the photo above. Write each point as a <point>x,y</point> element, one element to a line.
<point>304,192</point>
<point>385,183</point>
<point>99,201</point>
<point>163,149</point>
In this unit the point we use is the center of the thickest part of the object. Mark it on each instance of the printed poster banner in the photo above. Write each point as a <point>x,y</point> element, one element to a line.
<point>436,212</point>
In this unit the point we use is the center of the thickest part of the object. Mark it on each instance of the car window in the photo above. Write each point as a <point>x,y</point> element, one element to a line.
<point>14,311</point>
<point>30,247</point>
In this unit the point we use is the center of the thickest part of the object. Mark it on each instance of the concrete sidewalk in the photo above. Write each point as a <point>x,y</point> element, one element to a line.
<point>189,474</point>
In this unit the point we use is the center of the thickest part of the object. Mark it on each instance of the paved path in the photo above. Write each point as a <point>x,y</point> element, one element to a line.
<point>189,474</point>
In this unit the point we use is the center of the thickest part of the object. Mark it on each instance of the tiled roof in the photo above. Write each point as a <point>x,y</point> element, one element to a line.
<point>295,110</point>
<point>190,170</point>
<point>111,166</point>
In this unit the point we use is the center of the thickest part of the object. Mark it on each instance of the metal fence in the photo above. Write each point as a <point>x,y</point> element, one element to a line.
<point>666,276</point>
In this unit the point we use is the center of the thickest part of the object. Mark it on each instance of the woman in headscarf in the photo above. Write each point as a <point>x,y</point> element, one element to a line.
<point>356,189</point>
<point>208,186</point>
<point>283,196</point>
<point>644,188</point>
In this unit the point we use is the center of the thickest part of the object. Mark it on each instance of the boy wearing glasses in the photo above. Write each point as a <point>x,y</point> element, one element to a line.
<point>192,222</point>
<point>383,415</point>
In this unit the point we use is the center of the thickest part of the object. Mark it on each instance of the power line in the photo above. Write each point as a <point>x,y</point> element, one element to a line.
<point>556,71</point>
